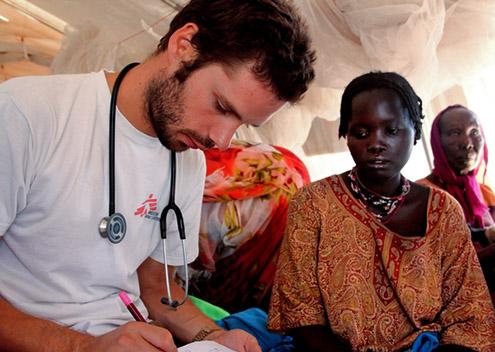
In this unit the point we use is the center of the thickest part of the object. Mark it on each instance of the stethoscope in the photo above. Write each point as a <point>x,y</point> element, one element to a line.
<point>114,225</point>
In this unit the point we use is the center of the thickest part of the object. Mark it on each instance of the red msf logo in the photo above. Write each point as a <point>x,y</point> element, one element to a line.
<point>149,205</point>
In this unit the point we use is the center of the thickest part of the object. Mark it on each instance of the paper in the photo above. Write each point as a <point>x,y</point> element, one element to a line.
<point>204,346</point>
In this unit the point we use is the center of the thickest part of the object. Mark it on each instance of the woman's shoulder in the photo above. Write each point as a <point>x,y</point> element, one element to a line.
<point>322,184</point>
<point>446,210</point>
<point>442,199</point>
<point>437,200</point>
<point>420,190</point>
<point>316,190</point>
<point>431,181</point>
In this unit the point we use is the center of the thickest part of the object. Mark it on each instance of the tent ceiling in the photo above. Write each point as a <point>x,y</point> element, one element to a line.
<point>31,33</point>
<point>436,44</point>
<point>27,45</point>
<point>108,15</point>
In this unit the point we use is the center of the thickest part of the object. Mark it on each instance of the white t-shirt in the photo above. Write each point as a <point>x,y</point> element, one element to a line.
<point>54,191</point>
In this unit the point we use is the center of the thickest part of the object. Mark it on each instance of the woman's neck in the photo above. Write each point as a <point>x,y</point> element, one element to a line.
<point>384,187</point>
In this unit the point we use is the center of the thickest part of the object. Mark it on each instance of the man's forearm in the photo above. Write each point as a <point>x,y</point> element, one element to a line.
<point>22,332</point>
<point>185,321</point>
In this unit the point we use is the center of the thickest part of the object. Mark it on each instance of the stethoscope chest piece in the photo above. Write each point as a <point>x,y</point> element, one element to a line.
<point>113,227</point>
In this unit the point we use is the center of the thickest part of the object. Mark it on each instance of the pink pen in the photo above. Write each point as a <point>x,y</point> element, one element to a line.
<point>131,307</point>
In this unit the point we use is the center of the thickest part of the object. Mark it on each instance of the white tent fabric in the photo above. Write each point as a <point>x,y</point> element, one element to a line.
<point>435,44</point>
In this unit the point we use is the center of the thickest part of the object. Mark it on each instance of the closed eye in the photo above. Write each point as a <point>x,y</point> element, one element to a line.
<point>392,131</point>
<point>360,133</point>
<point>221,108</point>
<point>224,108</point>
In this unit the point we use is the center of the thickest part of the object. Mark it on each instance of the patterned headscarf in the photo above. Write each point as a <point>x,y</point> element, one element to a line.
<point>471,199</point>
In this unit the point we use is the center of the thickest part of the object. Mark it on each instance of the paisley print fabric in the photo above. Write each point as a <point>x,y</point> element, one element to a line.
<point>341,268</point>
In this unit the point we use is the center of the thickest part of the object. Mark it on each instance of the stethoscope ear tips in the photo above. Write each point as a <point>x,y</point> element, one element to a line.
<point>113,227</point>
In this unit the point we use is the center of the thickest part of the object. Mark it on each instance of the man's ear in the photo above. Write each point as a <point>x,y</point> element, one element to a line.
<point>179,47</point>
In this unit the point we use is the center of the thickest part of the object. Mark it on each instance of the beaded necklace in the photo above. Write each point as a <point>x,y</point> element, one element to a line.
<point>381,207</point>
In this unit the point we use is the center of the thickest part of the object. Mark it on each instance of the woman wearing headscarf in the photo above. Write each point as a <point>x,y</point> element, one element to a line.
<point>460,150</point>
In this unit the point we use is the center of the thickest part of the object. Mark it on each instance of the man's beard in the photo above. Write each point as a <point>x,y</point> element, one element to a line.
<point>165,110</point>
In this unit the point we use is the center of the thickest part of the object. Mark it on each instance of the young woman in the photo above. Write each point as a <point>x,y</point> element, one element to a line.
<point>372,261</point>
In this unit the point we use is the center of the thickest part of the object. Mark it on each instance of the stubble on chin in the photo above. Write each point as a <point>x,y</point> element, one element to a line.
<point>164,109</point>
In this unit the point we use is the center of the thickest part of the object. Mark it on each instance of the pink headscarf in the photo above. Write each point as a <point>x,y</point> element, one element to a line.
<point>471,199</point>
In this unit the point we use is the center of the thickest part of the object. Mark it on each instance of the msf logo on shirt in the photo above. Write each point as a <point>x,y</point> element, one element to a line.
<point>148,208</point>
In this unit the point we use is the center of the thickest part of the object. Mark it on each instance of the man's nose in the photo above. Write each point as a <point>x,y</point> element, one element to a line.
<point>222,134</point>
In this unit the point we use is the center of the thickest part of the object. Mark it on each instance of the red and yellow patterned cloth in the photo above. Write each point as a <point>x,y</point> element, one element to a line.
<point>243,219</point>
<point>339,267</point>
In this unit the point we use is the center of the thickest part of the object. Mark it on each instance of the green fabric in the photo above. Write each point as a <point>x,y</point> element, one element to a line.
<point>210,310</point>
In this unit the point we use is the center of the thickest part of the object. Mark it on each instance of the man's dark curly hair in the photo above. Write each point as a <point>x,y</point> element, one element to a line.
<point>381,80</point>
<point>268,32</point>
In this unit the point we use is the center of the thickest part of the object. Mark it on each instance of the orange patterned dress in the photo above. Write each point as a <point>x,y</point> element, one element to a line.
<point>341,268</point>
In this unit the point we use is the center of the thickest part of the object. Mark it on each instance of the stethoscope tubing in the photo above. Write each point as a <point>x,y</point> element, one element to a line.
<point>111,137</point>
<point>103,226</point>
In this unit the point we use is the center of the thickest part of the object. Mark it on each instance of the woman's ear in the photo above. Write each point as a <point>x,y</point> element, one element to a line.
<point>180,48</point>
<point>417,135</point>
